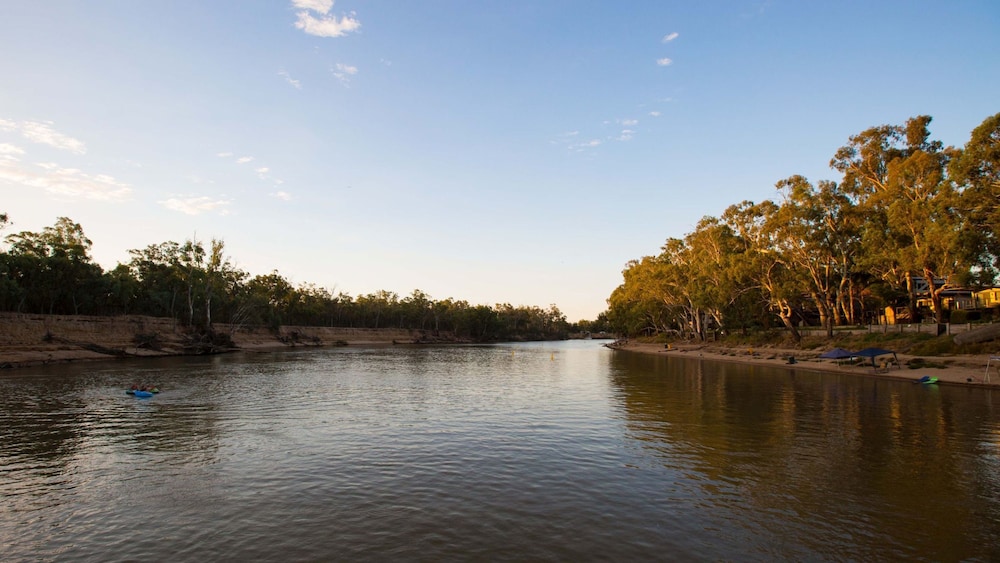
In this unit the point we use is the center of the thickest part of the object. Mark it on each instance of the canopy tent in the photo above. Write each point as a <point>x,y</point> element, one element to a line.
<point>837,354</point>
<point>874,353</point>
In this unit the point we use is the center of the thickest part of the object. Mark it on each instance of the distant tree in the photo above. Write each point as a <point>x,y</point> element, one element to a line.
<point>54,267</point>
<point>161,279</point>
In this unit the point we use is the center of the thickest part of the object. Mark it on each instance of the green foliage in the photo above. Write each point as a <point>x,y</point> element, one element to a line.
<point>51,272</point>
<point>835,253</point>
<point>959,316</point>
<point>933,346</point>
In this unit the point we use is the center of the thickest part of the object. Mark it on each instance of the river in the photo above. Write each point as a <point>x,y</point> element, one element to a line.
<point>542,451</point>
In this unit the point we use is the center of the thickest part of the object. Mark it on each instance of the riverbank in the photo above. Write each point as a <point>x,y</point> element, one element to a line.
<point>957,370</point>
<point>29,340</point>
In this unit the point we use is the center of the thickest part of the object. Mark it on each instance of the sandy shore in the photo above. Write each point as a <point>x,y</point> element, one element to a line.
<point>27,340</point>
<point>957,370</point>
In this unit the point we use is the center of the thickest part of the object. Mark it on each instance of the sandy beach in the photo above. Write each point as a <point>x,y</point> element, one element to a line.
<point>957,370</point>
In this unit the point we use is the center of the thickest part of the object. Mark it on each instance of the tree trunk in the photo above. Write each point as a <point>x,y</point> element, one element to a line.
<point>936,301</point>
<point>785,314</point>
<point>911,292</point>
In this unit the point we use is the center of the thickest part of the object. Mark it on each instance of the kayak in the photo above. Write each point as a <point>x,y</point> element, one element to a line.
<point>143,394</point>
<point>927,380</point>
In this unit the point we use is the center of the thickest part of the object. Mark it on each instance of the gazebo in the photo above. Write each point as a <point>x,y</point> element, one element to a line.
<point>874,353</point>
<point>837,354</point>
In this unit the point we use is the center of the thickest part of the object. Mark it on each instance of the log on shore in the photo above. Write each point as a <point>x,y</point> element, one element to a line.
<point>981,334</point>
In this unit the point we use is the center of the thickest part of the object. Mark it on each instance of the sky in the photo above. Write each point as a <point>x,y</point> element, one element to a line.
<point>518,151</point>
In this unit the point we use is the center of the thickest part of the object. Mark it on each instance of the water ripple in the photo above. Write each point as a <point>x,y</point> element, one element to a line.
<point>547,451</point>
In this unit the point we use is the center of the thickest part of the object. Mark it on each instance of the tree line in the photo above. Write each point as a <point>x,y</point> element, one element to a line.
<point>905,210</point>
<point>51,272</point>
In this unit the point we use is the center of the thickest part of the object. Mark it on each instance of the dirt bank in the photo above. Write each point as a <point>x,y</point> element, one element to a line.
<point>40,339</point>
<point>958,370</point>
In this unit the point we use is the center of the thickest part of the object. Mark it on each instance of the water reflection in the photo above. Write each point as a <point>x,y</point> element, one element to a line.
<point>558,451</point>
<point>878,468</point>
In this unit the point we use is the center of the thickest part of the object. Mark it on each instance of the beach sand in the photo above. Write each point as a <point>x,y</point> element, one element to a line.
<point>957,370</point>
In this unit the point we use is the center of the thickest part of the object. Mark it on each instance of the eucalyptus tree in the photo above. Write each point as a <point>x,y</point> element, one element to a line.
<point>717,284</point>
<point>649,299</point>
<point>914,228</point>
<point>626,314</point>
<point>54,266</point>
<point>764,261</point>
<point>977,171</point>
<point>817,231</point>
<point>683,285</point>
<point>10,291</point>
<point>192,264</point>
<point>123,290</point>
<point>377,305</point>
<point>161,277</point>
<point>418,309</point>
<point>273,296</point>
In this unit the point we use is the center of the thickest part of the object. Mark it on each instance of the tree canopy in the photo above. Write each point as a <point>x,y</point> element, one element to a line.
<point>52,272</point>
<point>906,209</point>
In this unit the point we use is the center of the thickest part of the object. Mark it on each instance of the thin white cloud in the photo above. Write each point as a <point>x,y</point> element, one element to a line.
<point>244,159</point>
<point>564,138</point>
<point>196,205</point>
<point>347,69</point>
<point>628,122</point>
<point>283,196</point>
<point>224,154</point>
<point>579,147</point>
<point>10,152</point>
<point>40,132</point>
<point>344,72</point>
<point>315,19</point>
<point>321,6</point>
<point>290,80</point>
<point>262,172</point>
<point>59,181</point>
<point>670,37</point>
<point>664,61</point>
<point>43,133</point>
<point>625,135</point>
<point>655,113</point>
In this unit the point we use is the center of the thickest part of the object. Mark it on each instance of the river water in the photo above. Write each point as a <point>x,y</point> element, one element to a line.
<point>543,451</point>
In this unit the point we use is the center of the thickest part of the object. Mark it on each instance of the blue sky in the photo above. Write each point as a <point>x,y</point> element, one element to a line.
<point>500,152</point>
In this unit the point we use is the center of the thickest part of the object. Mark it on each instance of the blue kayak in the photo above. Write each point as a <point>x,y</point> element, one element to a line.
<point>143,394</point>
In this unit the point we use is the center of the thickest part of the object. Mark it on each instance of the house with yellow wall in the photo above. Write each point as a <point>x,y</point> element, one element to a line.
<point>988,298</point>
